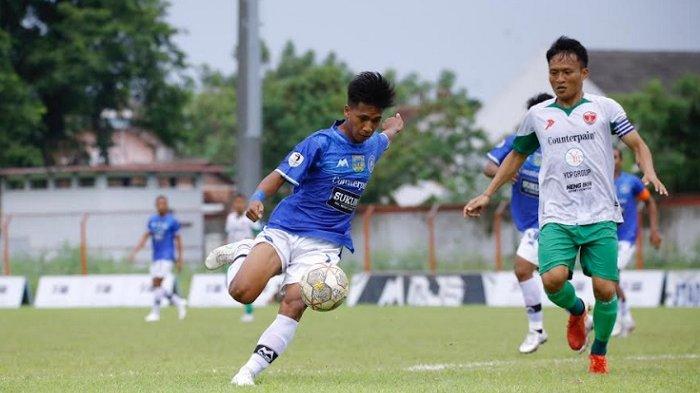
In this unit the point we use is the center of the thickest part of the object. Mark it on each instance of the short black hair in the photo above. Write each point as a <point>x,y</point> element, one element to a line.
<point>161,196</point>
<point>536,99</point>
<point>565,44</point>
<point>371,88</point>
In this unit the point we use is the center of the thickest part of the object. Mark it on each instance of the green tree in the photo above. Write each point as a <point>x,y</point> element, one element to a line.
<point>20,115</point>
<point>669,121</point>
<point>82,57</point>
<point>211,120</point>
<point>302,95</point>
<point>439,143</point>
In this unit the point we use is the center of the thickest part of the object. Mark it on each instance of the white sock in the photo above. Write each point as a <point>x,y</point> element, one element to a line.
<point>272,343</point>
<point>532,294</point>
<point>157,298</point>
<point>624,308</point>
<point>173,297</point>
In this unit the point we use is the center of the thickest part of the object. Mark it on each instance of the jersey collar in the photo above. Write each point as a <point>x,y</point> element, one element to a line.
<point>568,111</point>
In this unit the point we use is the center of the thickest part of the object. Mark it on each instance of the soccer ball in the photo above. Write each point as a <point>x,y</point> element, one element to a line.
<point>324,287</point>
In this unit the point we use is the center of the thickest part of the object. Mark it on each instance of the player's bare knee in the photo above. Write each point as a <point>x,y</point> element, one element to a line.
<point>523,270</point>
<point>241,293</point>
<point>604,292</point>
<point>553,281</point>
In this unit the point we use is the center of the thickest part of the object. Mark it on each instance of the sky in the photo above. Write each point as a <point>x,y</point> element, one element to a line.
<point>485,42</point>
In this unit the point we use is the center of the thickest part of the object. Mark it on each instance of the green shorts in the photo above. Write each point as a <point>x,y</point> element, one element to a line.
<point>559,245</point>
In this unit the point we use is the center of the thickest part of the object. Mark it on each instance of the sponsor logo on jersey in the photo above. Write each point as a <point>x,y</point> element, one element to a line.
<point>358,163</point>
<point>574,157</point>
<point>342,163</point>
<point>578,173</point>
<point>550,122</point>
<point>578,138</point>
<point>590,117</point>
<point>343,200</point>
<point>359,184</point>
<point>295,159</point>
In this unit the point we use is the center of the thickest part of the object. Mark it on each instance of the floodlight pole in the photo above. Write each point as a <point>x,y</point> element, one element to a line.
<point>248,159</point>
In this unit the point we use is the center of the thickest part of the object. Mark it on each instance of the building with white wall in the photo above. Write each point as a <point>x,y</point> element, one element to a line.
<point>43,207</point>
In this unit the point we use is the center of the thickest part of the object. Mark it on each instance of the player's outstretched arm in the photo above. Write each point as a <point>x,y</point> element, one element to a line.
<point>392,126</point>
<point>142,243</point>
<point>267,187</point>
<point>506,171</point>
<point>642,155</point>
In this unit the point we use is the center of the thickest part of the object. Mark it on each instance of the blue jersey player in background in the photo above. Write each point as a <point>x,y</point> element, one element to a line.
<point>163,229</point>
<point>524,207</point>
<point>329,171</point>
<point>630,190</point>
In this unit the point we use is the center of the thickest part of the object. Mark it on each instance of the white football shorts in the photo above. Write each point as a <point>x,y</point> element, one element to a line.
<point>298,253</point>
<point>529,245</point>
<point>161,268</point>
<point>625,252</point>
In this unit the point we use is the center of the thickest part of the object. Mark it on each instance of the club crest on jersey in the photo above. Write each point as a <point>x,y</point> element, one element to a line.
<point>370,163</point>
<point>358,163</point>
<point>590,117</point>
<point>550,122</point>
<point>295,159</point>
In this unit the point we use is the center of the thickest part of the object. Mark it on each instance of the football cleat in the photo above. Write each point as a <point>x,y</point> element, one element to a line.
<point>532,341</point>
<point>576,332</point>
<point>243,377</point>
<point>228,253</point>
<point>599,364</point>
<point>152,317</point>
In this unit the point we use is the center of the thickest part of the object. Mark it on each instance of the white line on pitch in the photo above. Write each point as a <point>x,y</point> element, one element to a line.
<point>495,363</point>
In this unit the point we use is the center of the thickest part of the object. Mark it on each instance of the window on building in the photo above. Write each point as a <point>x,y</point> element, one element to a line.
<point>167,181</point>
<point>38,184</point>
<point>15,184</point>
<point>86,182</point>
<point>63,182</point>
<point>186,182</point>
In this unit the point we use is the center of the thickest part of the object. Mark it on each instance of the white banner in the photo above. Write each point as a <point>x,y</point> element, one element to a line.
<point>683,288</point>
<point>642,288</point>
<point>13,290</point>
<point>100,290</point>
<point>210,290</point>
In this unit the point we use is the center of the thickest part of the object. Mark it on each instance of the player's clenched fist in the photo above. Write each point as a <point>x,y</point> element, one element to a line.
<point>474,207</point>
<point>255,210</point>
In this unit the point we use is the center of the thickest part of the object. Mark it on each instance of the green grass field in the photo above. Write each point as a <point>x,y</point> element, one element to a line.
<point>351,349</point>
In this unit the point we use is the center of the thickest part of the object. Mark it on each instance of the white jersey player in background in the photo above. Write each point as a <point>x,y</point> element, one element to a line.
<point>239,227</point>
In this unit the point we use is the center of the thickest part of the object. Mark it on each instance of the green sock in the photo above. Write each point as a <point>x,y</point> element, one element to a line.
<point>248,308</point>
<point>604,315</point>
<point>566,299</point>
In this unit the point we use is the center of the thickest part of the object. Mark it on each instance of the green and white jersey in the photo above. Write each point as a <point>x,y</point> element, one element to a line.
<point>576,176</point>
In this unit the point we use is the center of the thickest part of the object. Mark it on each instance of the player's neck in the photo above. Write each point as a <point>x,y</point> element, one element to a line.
<point>569,102</point>
<point>343,127</point>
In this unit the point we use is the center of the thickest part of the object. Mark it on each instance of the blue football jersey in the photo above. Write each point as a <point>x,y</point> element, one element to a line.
<point>628,188</point>
<point>329,173</point>
<point>163,230</point>
<point>524,202</point>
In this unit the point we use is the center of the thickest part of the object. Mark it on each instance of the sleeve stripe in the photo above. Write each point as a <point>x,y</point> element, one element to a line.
<point>624,131</point>
<point>623,126</point>
<point>287,178</point>
<point>493,158</point>
<point>388,141</point>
